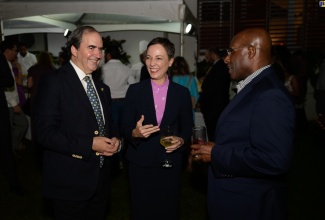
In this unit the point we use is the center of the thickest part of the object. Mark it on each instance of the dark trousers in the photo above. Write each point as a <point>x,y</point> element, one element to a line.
<point>7,158</point>
<point>95,208</point>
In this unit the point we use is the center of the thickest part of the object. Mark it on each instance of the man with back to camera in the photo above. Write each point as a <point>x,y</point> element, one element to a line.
<point>254,135</point>
<point>214,96</point>
<point>118,77</point>
<point>73,124</point>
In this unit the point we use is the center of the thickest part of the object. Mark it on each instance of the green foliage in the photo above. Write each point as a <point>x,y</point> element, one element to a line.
<point>125,58</point>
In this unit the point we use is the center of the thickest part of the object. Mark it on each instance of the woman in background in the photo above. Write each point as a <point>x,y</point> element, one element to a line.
<point>181,75</point>
<point>43,66</point>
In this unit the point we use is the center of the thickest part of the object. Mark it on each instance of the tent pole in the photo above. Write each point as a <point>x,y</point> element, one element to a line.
<point>182,38</point>
<point>1,31</point>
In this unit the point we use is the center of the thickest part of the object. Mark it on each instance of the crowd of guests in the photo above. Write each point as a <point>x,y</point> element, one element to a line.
<point>84,118</point>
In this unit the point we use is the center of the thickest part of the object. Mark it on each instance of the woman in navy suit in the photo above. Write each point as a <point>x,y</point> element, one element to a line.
<point>151,106</point>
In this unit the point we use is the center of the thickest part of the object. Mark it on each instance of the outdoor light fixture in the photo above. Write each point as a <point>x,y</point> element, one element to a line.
<point>189,29</point>
<point>66,33</point>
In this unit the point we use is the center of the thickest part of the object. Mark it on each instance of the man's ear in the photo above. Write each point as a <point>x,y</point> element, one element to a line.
<point>73,51</point>
<point>251,52</point>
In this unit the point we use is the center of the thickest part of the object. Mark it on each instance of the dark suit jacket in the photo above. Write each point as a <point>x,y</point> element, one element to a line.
<point>215,89</point>
<point>6,81</point>
<point>214,96</point>
<point>65,126</point>
<point>149,152</point>
<point>253,150</point>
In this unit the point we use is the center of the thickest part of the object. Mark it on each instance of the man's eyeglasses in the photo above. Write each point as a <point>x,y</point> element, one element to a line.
<point>232,50</point>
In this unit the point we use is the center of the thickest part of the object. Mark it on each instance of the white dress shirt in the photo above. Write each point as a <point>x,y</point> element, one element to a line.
<point>12,93</point>
<point>26,62</point>
<point>118,77</point>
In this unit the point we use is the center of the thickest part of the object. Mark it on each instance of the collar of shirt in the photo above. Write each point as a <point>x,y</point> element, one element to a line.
<point>216,61</point>
<point>80,73</point>
<point>12,72</point>
<point>241,84</point>
<point>156,86</point>
<point>26,56</point>
<point>114,61</point>
<point>81,76</point>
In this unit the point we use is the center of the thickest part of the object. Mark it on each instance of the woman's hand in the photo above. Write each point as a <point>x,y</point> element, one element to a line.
<point>143,131</point>
<point>177,143</point>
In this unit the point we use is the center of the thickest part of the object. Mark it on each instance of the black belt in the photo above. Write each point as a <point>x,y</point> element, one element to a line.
<point>118,99</point>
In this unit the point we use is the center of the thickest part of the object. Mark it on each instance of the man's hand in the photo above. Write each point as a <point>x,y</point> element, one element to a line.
<point>17,109</point>
<point>202,152</point>
<point>143,131</point>
<point>105,146</point>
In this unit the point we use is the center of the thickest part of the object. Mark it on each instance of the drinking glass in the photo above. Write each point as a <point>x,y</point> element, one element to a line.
<point>199,136</point>
<point>166,138</point>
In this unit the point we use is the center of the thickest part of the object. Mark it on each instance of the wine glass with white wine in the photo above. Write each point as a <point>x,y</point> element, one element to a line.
<point>166,138</point>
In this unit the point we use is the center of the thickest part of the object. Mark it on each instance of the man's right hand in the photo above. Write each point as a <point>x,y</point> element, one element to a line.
<point>17,109</point>
<point>105,146</point>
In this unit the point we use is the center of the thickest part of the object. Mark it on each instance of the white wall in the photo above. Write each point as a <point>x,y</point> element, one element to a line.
<point>192,5</point>
<point>55,42</point>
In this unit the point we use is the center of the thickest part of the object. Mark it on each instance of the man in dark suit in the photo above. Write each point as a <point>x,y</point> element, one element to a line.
<point>254,135</point>
<point>75,136</point>
<point>214,96</point>
<point>8,53</point>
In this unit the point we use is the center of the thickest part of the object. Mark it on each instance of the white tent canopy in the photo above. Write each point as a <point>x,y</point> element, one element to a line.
<point>55,16</point>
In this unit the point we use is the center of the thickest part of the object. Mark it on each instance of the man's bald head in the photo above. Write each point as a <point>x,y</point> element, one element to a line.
<point>250,50</point>
<point>257,37</point>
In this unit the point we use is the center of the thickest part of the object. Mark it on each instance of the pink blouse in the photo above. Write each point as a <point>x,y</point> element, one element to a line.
<point>159,96</point>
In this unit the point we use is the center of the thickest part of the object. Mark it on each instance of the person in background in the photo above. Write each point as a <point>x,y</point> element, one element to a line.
<point>320,93</point>
<point>18,120</point>
<point>181,74</point>
<point>253,144</point>
<point>215,91</point>
<point>7,82</point>
<point>302,72</point>
<point>26,59</point>
<point>137,68</point>
<point>144,74</point>
<point>44,66</point>
<point>16,68</point>
<point>73,124</point>
<point>118,77</point>
<point>63,57</point>
<point>150,107</point>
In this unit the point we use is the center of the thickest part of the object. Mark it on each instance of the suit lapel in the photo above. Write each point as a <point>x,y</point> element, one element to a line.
<point>77,87</point>
<point>149,103</point>
<point>240,96</point>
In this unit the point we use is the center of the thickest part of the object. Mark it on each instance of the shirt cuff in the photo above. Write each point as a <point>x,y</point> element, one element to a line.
<point>120,146</point>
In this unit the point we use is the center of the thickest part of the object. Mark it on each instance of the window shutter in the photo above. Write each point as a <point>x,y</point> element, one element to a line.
<point>298,24</point>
